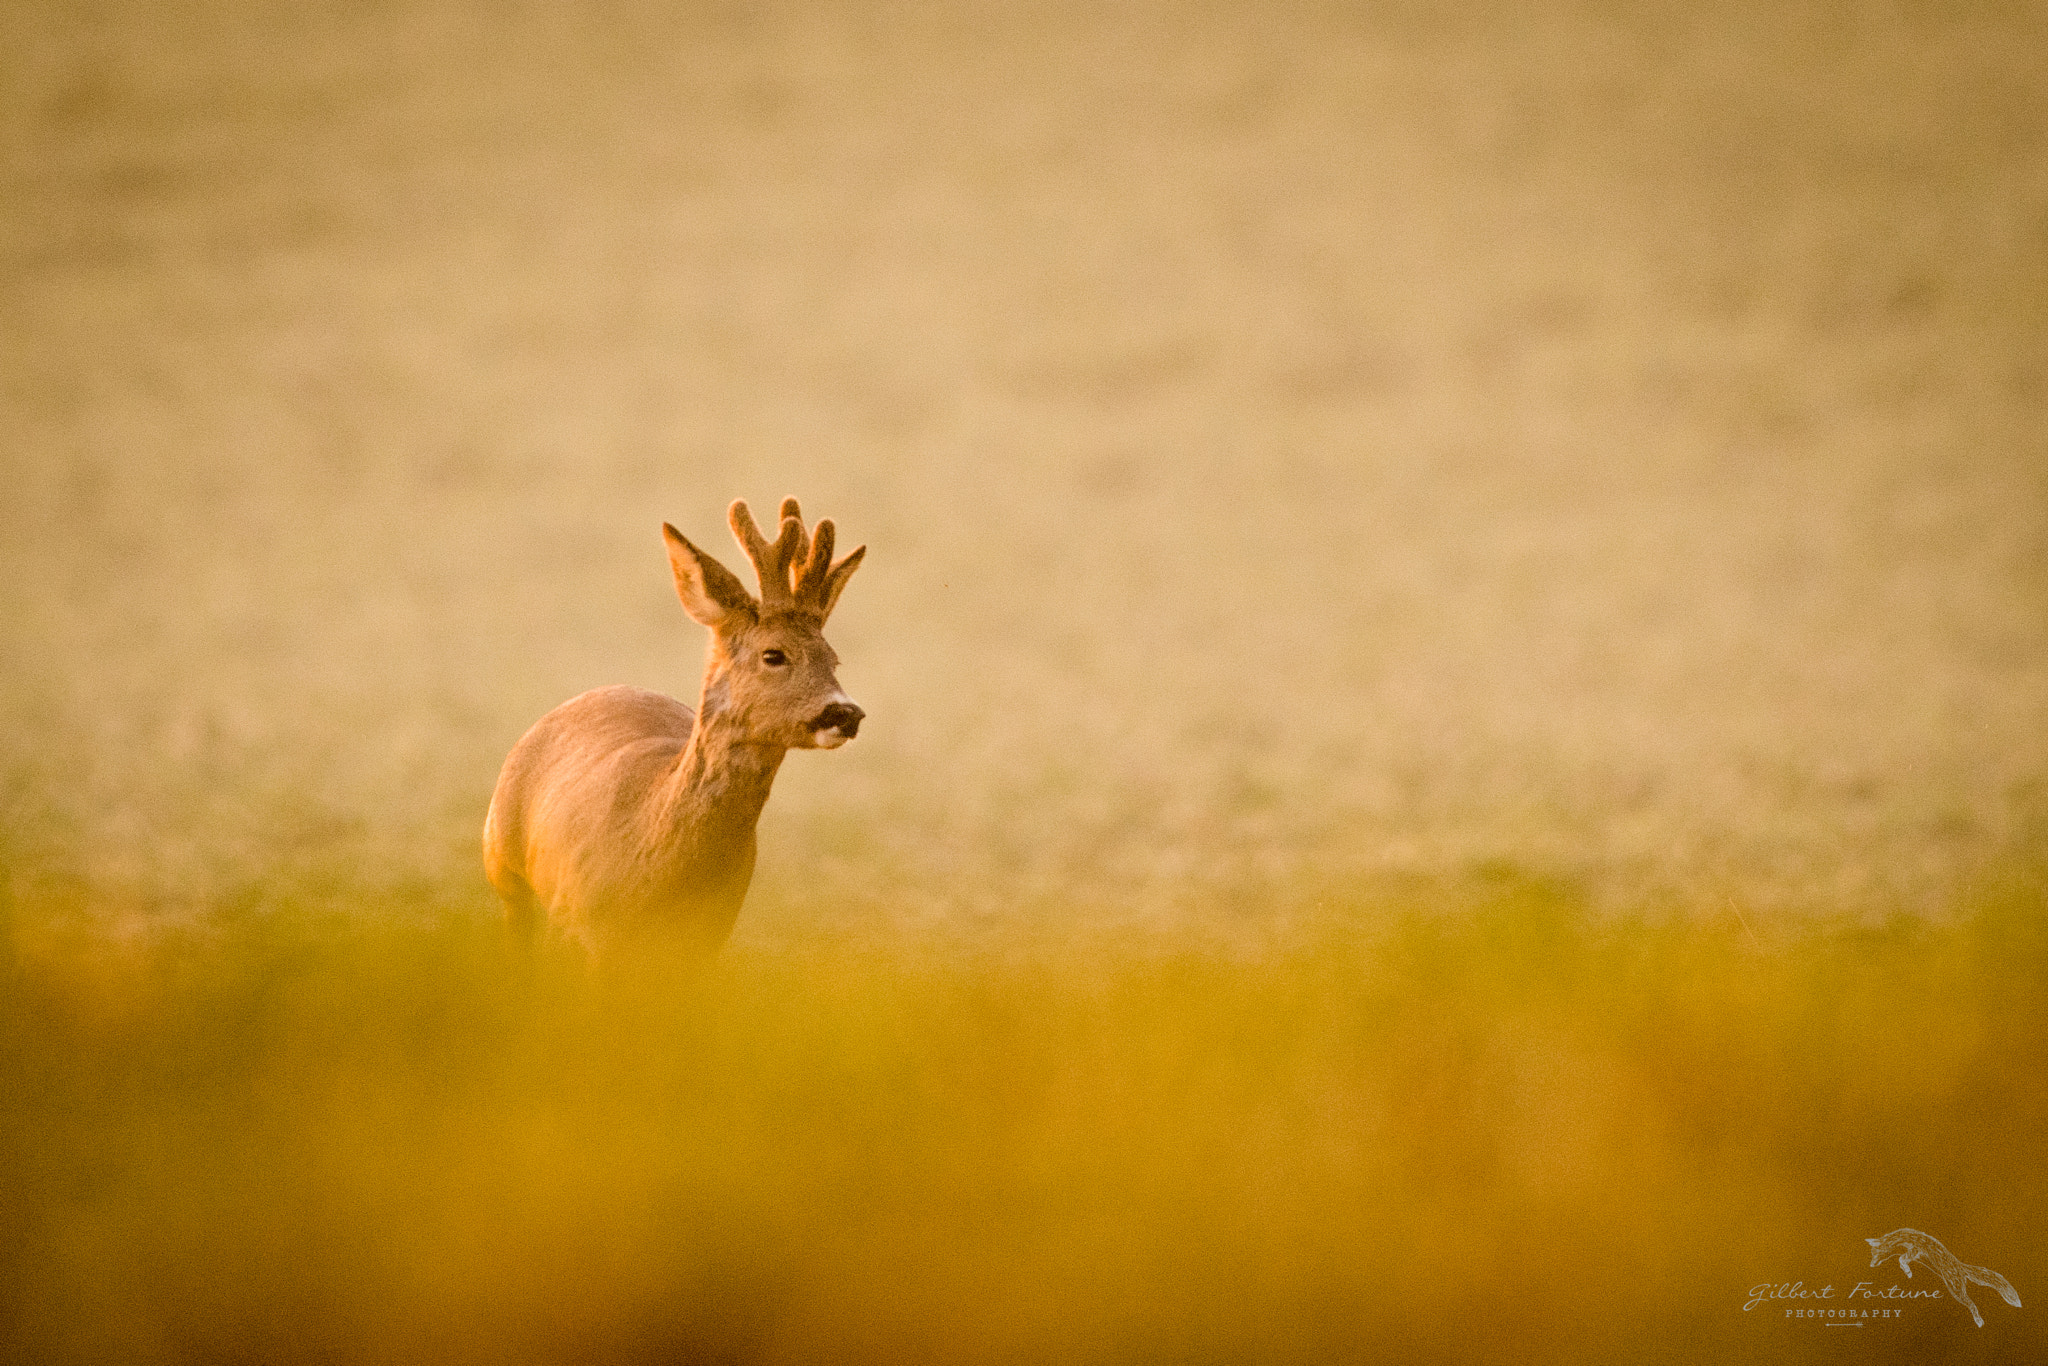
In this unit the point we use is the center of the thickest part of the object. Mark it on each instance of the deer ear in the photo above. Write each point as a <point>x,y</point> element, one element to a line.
<point>711,594</point>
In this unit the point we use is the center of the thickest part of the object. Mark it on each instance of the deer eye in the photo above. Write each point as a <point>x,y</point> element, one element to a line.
<point>774,658</point>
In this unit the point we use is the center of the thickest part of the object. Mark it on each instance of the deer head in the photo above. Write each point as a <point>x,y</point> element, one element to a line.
<point>770,673</point>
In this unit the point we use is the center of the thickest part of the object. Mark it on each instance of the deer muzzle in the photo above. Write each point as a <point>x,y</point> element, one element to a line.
<point>837,724</point>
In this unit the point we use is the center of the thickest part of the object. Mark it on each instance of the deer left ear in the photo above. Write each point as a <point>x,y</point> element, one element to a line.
<point>711,594</point>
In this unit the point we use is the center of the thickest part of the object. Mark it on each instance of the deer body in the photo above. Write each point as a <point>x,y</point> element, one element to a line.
<point>624,816</point>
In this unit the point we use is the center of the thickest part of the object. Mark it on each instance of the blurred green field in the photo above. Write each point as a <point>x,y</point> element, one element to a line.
<point>1455,642</point>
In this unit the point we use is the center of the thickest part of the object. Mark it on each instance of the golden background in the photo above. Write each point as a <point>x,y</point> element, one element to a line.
<point>1384,520</point>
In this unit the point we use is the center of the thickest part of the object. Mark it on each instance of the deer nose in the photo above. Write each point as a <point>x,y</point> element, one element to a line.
<point>843,716</point>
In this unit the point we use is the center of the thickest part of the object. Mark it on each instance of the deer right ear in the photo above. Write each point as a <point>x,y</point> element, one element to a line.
<point>710,592</point>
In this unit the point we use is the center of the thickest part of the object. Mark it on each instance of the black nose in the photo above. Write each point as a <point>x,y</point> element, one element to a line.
<point>843,715</point>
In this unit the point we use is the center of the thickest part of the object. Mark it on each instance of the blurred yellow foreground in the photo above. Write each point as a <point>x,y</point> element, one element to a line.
<point>1498,1135</point>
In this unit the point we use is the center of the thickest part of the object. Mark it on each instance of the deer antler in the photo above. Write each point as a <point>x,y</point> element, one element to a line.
<point>818,580</point>
<point>796,569</point>
<point>771,560</point>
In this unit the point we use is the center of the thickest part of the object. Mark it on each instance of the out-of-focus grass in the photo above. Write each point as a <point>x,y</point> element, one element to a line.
<point>1492,1135</point>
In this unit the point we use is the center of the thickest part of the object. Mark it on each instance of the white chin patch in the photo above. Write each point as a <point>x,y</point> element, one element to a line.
<point>830,737</point>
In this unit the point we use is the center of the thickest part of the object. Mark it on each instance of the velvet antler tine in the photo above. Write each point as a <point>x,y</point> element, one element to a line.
<point>835,582</point>
<point>789,547</point>
<point>770,561</point>
<point>744,531</point>
<point>792,551</point>
<point>810,578</point>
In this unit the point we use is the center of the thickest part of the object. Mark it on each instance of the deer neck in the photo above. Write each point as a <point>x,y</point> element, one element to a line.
<point>720,781</point>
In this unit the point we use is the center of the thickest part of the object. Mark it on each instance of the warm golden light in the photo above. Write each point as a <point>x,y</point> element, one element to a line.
<point>1454,652</point>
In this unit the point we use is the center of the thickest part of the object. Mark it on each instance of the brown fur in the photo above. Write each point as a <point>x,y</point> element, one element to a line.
<point>624,816</point>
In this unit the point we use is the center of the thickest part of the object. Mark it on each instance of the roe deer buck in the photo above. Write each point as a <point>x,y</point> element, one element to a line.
<point>621,815</point>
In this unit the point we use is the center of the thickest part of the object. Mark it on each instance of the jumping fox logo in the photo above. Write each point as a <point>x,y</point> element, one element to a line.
<point>1908,1244</point>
